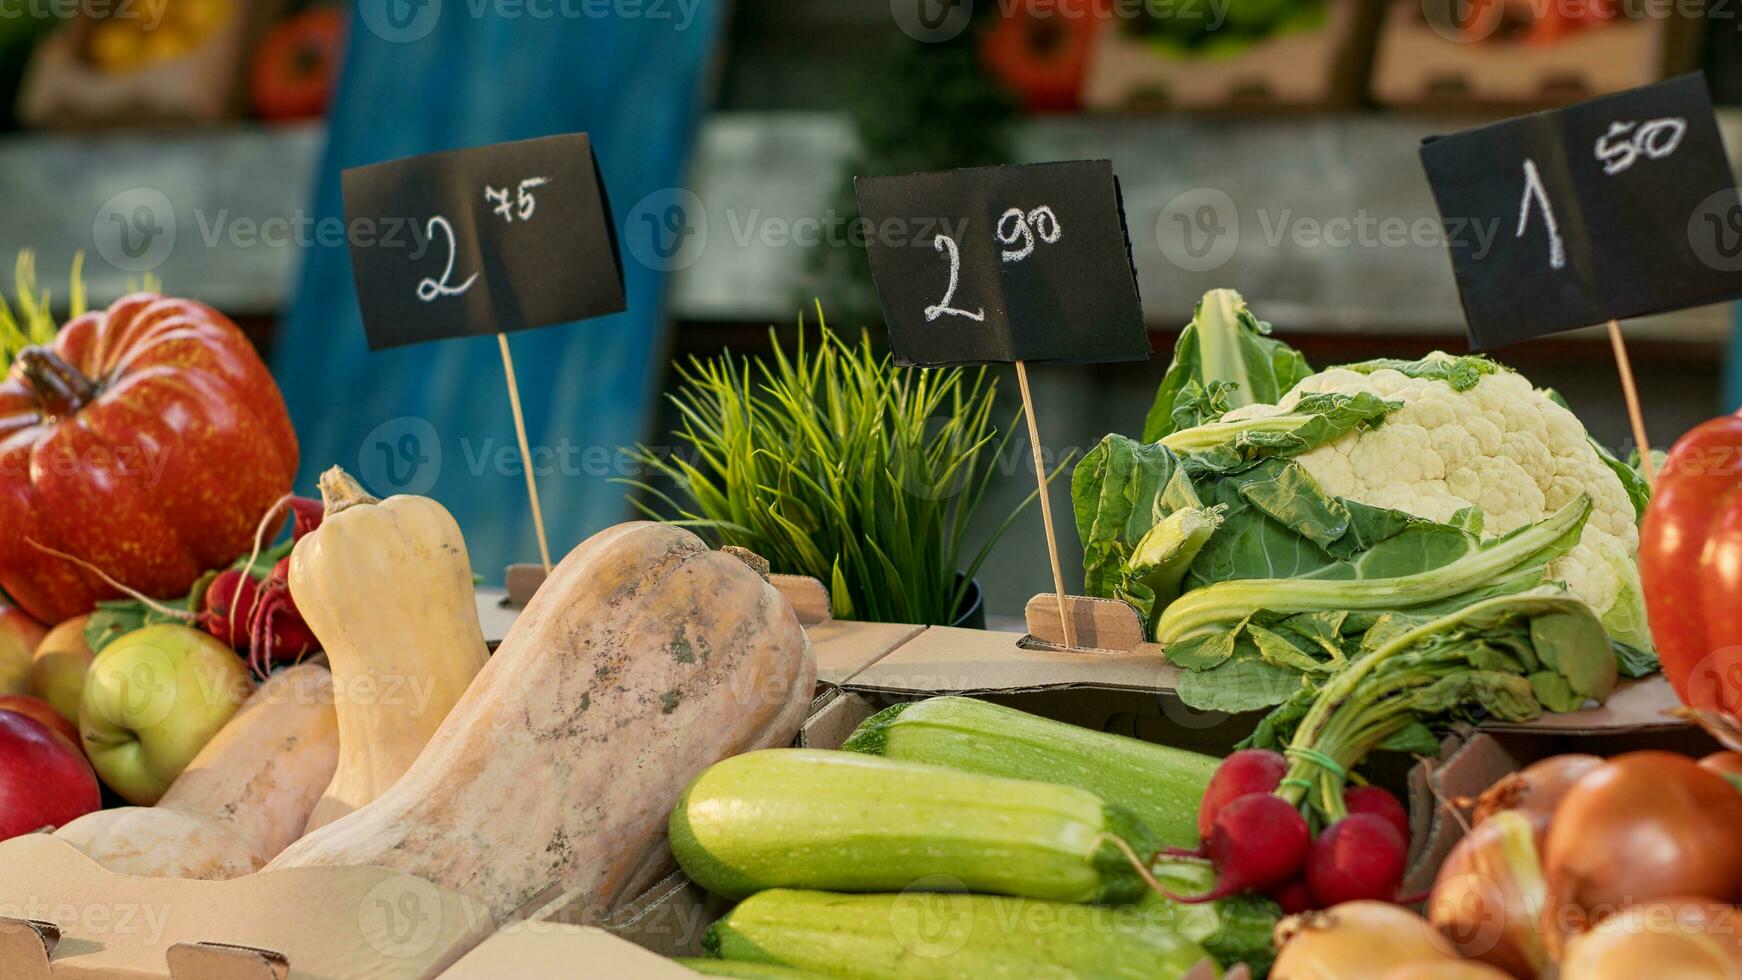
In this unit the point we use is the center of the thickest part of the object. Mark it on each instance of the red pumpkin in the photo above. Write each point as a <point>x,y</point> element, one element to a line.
<point>148,439</point>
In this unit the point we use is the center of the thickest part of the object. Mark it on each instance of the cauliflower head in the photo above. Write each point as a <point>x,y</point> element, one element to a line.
<point>1497,444</point>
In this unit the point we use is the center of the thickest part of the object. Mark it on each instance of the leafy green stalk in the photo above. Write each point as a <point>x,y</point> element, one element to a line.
<point>1224,343</point>
<point>833,463</point>
<point>1507,657</point>
<point>33,324</point>
<point>1226,605</point>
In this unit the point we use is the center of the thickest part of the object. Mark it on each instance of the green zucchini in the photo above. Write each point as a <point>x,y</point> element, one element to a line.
<point>747,971</point>
<point>1161,785</point>
<point>919,935</point>
<point>838,821</point>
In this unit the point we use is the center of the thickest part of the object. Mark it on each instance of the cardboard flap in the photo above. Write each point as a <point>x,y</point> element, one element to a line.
<point>26,947</point>
<point>1646,704</point>
<point>322,922</point>
<point>1100,624</point>
<point>948,660</point>
<point>216,961</point>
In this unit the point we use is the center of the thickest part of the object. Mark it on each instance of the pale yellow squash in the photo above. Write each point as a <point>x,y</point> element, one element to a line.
<point>642,660</point>
<point>244,797</point>
<point>386,586</point>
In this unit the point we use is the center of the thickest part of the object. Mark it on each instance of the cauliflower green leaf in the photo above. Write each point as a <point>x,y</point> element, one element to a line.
<point>1225,342</point>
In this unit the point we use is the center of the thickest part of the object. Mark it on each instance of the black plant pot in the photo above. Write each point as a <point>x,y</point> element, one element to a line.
<point>972,612</point>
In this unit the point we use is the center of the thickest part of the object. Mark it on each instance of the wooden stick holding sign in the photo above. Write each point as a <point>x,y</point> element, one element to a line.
<point>1630,392</point>
<point>531,212</point>
<point>1639,178</point>
<point>1052,541</point>
<point>525,452</point>
<point>1031,264</point>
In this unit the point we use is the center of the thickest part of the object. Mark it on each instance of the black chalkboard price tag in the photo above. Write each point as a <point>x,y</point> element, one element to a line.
<point>481,241</point>
<point>1613,208</point>
<point>1004,264</point>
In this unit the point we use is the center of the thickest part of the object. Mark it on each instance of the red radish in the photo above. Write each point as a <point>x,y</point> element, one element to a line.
<point>277,631</point>
<point>1359,857</point>
<point>229,607</point>
<point>1240,774</point>
<point>1294,897</point>
<point>1380,803</point>
<point>1256,842</point>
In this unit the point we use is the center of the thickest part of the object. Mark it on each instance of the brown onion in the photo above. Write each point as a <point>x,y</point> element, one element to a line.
<point>1723,763</point>
<point>1642,827</point>
<point>1677,939</point>
<point>1447,970</point>
<point>1488,899</point>
<point>1355,939</point>
<point>1537,787</point>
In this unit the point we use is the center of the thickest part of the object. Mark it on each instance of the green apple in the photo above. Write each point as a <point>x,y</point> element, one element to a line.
<point>152,700</point>
<point>57,673</point>
<point>19,635</point>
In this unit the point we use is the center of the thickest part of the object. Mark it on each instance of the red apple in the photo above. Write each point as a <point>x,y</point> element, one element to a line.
<point>43,781</point>
<point>19,635</point>
<point>44,712</point>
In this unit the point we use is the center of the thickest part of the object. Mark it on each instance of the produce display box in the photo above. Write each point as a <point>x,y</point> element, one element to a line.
<point>1323,66</point>
<point>1418,65</point>
<point>63,89</point>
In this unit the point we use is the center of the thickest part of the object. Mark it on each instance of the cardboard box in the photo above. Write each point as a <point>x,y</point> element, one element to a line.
<point>1421,64</point>
<point>63,916</point>
<point>1324,66</point>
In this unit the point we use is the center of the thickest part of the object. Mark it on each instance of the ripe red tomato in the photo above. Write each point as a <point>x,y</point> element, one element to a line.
<point>297,65</point>
<point>148,440</point>
<point>1690,562</point>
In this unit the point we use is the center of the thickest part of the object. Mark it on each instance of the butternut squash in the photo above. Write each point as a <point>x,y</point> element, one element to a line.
<point>387,588</point>
<point>244,797</point>
<point>641,661</point>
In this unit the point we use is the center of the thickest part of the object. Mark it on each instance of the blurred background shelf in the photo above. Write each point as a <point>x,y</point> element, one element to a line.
<point>765,179</point>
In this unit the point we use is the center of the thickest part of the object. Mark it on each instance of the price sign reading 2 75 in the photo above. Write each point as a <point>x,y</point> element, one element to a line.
<point>1004,264</point>
<point>514,235</point>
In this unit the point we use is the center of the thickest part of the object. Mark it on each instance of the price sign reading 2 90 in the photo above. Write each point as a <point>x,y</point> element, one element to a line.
<point>1013,226</point>
<point>1003,261</point>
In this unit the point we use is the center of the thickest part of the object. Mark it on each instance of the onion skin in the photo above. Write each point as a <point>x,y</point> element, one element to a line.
<point>1723,763</point>
<point>1643,827</point>
<point>1537,788</point>
<point>1452,970</point>
<point>1488,899</point>
<point>1677,939</point>
<point>1355,940</point>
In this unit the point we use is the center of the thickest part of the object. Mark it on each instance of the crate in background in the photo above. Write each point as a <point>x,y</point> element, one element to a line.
<point>1423,62</point>
<point>1324,66</point>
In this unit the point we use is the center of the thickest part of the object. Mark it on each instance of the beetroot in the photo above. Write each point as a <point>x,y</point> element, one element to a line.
<point>1255,843</point>
<point>1294,897</point>
<point>1359,857</point>
<point>1243,773</point>
<point>1378,802</point>
<point>228,607</point>
<point>277,631</point>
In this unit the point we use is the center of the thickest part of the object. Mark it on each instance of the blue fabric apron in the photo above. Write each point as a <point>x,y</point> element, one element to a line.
<point>426,75</point>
